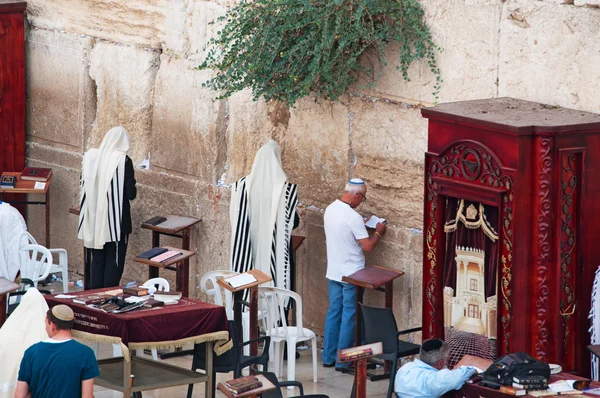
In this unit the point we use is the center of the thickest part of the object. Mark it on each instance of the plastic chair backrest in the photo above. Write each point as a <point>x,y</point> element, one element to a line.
<point>36,261</point>
<point>209,285</point>
<point>379,324</point>
<point>273,301</point>
<point>161,284</point>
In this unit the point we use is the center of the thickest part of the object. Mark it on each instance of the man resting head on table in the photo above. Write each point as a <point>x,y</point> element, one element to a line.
<point>428,376</point>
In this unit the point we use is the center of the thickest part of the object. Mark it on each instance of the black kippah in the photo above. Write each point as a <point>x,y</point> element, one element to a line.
<point>432,345</point>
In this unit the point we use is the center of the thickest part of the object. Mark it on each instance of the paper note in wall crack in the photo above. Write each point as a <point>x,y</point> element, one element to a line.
<point>373,221</point>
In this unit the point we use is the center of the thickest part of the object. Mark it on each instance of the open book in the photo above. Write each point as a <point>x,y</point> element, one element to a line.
<point>240,280</point>
<point>373,221</point>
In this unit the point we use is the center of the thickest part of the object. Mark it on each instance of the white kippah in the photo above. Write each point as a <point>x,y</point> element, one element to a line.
<point>356,181</point>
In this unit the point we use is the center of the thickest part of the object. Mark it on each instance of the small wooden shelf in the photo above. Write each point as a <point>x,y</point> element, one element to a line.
<point>260,276</point>
<point>149,375</point>
<point>186,254</point>
<point>25,186</point>
<point>173,224</point>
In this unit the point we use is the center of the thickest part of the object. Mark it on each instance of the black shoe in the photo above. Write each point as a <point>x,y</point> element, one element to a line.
<point>328,365</point>
<point>344,370</point>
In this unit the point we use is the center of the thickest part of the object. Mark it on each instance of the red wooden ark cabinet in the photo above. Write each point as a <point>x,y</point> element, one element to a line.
<point>535,170</point>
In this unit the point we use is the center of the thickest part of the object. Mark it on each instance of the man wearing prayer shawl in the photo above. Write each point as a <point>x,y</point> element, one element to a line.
<point>12,238</point>
<point>23,328</point>
<point>262,212</point>
<point>107,186</point>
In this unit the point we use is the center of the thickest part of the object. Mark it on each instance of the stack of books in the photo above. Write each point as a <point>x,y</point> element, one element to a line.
<point>167,297</point>
<point>513,391</point>
<point>243,384</point>
<point>530,383</point>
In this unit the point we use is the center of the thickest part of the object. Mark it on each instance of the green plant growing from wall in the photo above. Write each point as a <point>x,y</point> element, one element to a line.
<point>289,49</point>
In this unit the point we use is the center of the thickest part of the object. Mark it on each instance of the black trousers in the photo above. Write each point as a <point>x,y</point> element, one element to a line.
<point>106,268</point>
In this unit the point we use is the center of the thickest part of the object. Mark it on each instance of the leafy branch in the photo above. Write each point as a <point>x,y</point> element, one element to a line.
<point>289,49</point>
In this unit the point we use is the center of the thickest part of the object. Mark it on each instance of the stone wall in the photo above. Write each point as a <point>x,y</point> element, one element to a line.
<point>94,65</point>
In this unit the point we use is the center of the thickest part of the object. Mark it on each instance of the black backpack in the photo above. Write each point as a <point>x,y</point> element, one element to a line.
<point>501,372</point>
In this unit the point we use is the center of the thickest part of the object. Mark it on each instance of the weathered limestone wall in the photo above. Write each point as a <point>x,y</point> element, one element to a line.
<point>94,65</point>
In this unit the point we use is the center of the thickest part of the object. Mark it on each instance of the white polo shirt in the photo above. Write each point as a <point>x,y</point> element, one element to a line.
<point>343,228</point>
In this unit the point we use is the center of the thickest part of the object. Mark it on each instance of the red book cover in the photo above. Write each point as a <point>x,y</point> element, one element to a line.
<point>36,174</point>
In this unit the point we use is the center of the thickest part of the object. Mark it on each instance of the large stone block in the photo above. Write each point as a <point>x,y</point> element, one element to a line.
<point>388,141</point>
<point>188,128</point>
<point>558,68</point>
<point>125,78</point>
<point>315,149</point>
<point>138,22</point>
<point>61,98</point>
<point>467,32</point>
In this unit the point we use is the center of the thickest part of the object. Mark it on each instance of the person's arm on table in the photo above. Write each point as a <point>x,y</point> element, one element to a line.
<point>87,388</point>
<point>446,380</point>
<point>368,244</point>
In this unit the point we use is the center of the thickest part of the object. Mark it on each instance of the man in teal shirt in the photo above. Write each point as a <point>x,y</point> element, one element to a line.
<point>428,377</point>
<point>59,366</point>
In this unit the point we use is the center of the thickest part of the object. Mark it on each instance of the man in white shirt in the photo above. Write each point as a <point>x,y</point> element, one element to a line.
<point>428,377</point>
<point>346,237</point>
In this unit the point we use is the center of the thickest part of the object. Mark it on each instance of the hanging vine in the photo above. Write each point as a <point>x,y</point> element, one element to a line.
<point>289,49</point>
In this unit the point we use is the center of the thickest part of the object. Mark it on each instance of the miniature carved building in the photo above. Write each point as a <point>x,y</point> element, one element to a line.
<point>532,167</point>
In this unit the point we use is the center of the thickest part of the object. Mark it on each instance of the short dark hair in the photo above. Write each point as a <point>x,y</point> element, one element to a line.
<point>433,350</point>
<point>59,323</point>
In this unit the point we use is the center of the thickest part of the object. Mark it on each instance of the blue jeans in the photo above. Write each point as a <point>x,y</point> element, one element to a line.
<point>339,324</point>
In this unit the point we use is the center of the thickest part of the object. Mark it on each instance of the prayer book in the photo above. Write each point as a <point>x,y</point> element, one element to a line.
<point>512,391</point>
<point>542,393</point>
<point>136,291</point>
<point>373,221</point>
<point>8,182</point>
<point>153,303</point>
<point>480,364</point>
<point>36,174</point>
<point>240,280</point>
<point>155,221</point>
<point>166,256</point>
<point>243,384</point>
<point>155,251</point>
<point>347,355</point>
<point>91,299</point>
<point>167,297</point>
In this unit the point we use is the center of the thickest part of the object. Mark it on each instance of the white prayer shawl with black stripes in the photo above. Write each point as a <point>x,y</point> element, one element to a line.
<point>262,213</point>
<point>102,183</point>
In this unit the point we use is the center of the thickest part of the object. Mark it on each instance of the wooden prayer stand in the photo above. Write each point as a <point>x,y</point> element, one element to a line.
<point>266,386</point>
<point>6,287</point>
<point>28,187</point>
<point>238,294</point>
<point>360,365</point>
<point>377,278</point>
<point>179,227</point>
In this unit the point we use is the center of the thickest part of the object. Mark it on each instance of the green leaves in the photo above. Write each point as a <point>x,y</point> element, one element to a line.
<point>289,49</point>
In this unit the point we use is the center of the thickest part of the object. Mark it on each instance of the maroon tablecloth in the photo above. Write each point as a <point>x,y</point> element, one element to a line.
<point>477,391</point>
<point>185,319</point>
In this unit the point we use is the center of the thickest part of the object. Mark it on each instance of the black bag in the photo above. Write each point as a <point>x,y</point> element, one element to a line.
<point>501,372</point>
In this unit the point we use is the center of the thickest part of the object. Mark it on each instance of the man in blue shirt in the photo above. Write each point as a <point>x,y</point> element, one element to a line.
<point>59,366</point>
<point>428,376</point>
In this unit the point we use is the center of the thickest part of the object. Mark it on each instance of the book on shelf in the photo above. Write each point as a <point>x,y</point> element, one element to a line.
<point>512,391</point>
<point>166,256</point>
<point>155,221</point>
<point>91,299</point>
<point>167,297</point>
<point>243,384</point>
<point>136,291</point>
<point>155,251</point>
<point>36,174</point>
<point>8,182</point>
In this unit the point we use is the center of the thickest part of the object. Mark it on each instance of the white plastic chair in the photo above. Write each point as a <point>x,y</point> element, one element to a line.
<point>209,285</point>
<point>274,301</point>
<point>63,262</point>
<point>36,262</point>
<point>161,285</point>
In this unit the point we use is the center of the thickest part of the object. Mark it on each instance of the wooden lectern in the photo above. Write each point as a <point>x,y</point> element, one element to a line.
<point>377,278</point>
<point>238,294</point>
<point>359,355</point>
